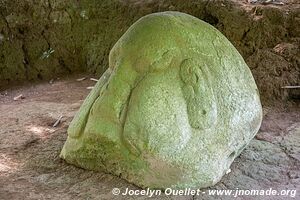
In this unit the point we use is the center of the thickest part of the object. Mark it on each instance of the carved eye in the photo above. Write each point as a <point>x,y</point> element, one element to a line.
<point>188,72</point>
<point>199,95</point>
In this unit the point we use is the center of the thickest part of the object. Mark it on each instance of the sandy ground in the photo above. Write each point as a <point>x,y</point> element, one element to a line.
<point>29,147</point>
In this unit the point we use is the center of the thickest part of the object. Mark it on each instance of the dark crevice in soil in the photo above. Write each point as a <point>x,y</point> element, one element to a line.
<point>25,61</point>
<point>7,25</point>
<point>45,38</point>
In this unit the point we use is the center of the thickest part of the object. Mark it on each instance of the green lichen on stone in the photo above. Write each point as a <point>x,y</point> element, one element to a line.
<point>176,106</point>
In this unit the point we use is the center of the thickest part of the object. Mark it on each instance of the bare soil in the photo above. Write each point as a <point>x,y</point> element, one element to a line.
<point>82,33</point>
<point>40,40</point>
<point>30,167</point>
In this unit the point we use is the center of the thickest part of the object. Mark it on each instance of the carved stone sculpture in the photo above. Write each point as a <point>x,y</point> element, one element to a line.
<point>175,107</point>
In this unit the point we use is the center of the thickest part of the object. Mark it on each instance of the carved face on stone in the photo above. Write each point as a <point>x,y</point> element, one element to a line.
<point>176,106</point>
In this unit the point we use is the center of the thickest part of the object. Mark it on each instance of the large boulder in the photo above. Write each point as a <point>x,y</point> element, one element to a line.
<point>177,105</point>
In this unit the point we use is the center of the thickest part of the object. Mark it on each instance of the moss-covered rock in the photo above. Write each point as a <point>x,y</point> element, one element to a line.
<point>176,106</point>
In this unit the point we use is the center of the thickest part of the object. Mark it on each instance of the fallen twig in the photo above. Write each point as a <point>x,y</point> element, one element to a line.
<point>19,97</point>
<point>57,121</point>
<point>265,2</point>
<point>93,79</point>
<point>291,87</point>
<point>81,79</point>
<point>90,87</point>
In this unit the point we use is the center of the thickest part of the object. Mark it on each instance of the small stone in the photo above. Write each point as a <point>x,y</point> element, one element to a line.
<point>293,174</point>
<point>84,15</point>
<point>228,171</point>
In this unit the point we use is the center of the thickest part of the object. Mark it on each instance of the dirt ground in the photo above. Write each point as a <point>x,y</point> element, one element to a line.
<point>77,35</point>
<point>29,147</point>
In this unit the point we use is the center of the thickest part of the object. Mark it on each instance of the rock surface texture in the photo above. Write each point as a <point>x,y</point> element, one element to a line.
<point>177,105</point>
